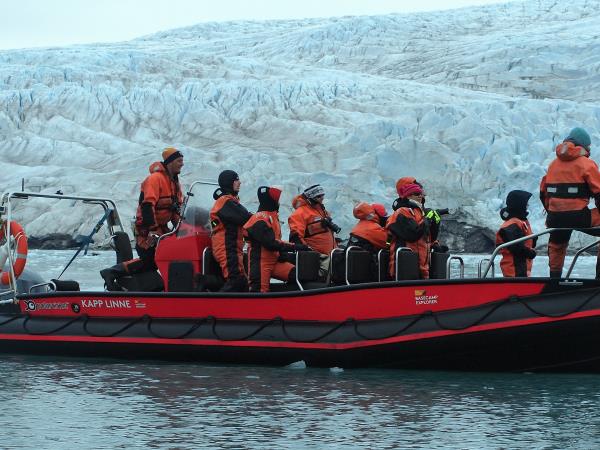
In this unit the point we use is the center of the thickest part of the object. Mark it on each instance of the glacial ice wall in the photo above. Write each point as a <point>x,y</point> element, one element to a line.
<point>470,101</point>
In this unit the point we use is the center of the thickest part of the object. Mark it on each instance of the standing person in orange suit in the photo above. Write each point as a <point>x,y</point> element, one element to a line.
<point>227,218</point>
<point>565,191</point>
<point>159,209</point>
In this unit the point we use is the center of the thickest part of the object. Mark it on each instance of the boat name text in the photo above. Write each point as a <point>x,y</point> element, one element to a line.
<point>97,303</point>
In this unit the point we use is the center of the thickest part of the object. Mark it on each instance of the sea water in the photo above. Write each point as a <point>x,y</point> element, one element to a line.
<point>64,403</point>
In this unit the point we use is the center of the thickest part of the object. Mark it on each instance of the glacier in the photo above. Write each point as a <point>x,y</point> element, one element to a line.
<point>470,101</point>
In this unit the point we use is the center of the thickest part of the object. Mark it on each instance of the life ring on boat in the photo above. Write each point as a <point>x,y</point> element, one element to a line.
<point>17,232</point>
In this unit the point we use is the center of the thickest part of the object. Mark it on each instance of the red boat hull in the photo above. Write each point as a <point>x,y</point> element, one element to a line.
<point>514,325</point>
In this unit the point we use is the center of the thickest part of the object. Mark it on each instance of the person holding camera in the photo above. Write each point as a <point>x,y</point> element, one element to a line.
<point>310,224</point>
<point>159,206</point>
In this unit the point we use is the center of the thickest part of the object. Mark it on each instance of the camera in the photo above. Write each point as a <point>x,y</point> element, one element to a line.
<point>332,226</point>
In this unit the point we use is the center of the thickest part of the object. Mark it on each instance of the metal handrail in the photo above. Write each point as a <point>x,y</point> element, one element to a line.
<point>105,203</point>
<point>297,270</point>
<point>461,266</point>
<point>330,269</point>
<point>204,259</point>
<point>49,284</point>
<point>480,266</point>
<point>531,236</point>
<point>579,252</point>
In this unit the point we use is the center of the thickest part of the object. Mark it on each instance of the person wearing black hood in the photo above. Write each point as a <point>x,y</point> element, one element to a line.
<point>227,217</point>
<point>263,231</point>
<point>517,259</point>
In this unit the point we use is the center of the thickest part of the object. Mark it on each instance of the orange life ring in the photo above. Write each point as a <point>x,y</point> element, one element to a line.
<point>17,232</point>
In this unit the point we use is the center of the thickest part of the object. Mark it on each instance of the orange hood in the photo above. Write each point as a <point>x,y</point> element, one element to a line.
<point>567,151</point>
<point>364,211</point>
<point>157,166</point>
<point>298,201</point>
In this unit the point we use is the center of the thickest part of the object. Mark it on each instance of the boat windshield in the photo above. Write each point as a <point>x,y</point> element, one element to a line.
<point>196,213</point>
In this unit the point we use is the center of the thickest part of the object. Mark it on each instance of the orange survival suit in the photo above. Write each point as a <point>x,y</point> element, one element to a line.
<point>159,205</point>
<point>227,217</point>
<point>565,191</point>
<point>408,227</point>
<point>368,233</point>
<point>309,225</point>
<point>263,232</point>
<point>517,259</point>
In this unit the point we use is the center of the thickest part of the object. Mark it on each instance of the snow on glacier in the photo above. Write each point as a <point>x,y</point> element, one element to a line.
<point>470,101</point>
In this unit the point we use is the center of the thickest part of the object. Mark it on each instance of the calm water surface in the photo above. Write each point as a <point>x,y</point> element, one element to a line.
<point>53,403</point>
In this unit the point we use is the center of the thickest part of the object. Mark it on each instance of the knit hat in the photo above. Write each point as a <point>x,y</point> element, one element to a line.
<point>226,179</point>
<point>410,189</point>
<point>379,209</point>
<point>268,198</point>
<point>313,191</point>
<point>404,181</point>
<point>170,154</point>
<point>580,137</point>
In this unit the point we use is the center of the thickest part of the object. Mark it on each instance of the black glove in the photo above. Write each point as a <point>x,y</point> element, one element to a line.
<point>301,248</point>
<point>530,254</point>
<point>437,248</point>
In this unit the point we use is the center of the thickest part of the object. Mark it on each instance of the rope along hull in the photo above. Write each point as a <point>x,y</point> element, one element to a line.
<point>529,325</point>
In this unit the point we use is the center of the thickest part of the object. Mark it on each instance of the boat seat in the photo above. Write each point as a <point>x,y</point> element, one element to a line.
<point>122,246</point>
<point>307,267</point>
<point>407,265</point>
<point>181,276</point>
<point>210,266</point>
<point>358,264</point>
<point>211,277</point>
<point>437,267</point>
<point>149,281</point>
<point>337,267</point>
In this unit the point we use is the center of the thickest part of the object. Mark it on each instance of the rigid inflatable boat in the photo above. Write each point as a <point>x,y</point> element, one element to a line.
<point>482,323</point>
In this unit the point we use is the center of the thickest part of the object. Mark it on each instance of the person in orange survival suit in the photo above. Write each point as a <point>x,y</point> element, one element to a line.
<point>565,192</point>
<point>227,217</point>
<point>310,224</point>
<point>518,258</point>
<point>432,215</point>
<point>263,231</point>
<point>370,233</point>
<point>408,227</point>
<point>159,207</point>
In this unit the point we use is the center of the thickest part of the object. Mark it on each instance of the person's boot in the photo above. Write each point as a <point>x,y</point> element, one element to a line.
<point>292,276</point>
<point>555,273</point>
<point>110,275</point>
